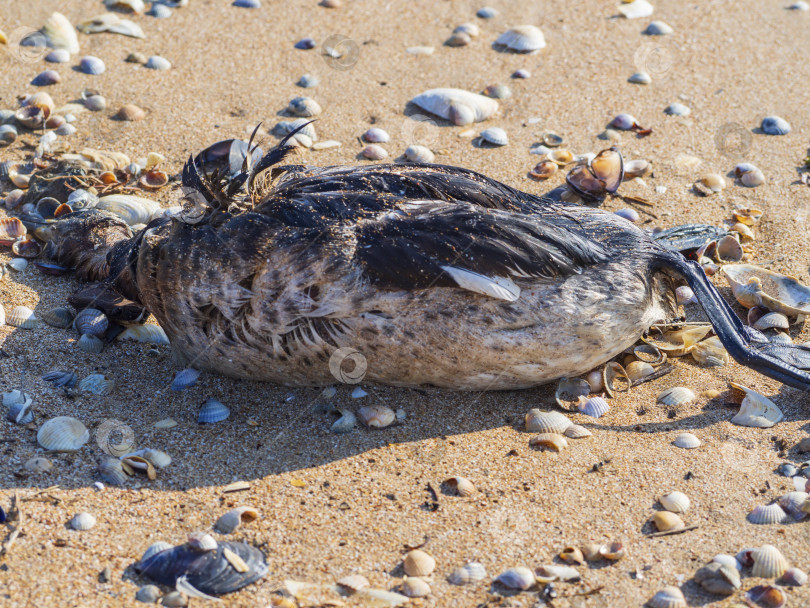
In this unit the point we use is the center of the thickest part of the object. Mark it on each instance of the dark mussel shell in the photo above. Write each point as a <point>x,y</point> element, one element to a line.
<point>689,237</point>
<point>60,378</point>
<point>113,305</point>
<point>28,248</point>
<point>209,571</point>
<point>53,269</point>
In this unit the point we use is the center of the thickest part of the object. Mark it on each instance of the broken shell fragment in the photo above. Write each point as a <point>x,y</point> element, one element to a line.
<point>471,572</point>
<point>415,587</point>
<point>568,392</point>
<point>755,286</point>
<point>613,551</point>
<point>517,578</point>
<point>549,441</point>
<point>230,521</point>
<point>666,521</point>
<point>572,555</point>
<point>462,485</point>
<point>577,431</point>
<point>345,423</point>
<point>615,379</point>
<point>548,574</point>
<point>769,562</point>
<point>418,563</point>
<point>38,465</point>
<point>676,502</point>
<point>97,384</point>
<point>756,410</point>
<point>710,352</point>
<point>668,597</point>
<point>111,471</point>
<point>718,578</point>
<point>687,441</point>
<point>456,105</point>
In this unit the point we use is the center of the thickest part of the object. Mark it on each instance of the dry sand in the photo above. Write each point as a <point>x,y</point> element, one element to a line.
<point>363,495</point>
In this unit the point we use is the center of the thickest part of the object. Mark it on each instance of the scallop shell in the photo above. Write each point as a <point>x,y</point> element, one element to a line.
<point>522,39</point>
<point>213,411</point>
<point>665,521</point>
<point>546,422</point>
<point>636,9</point>
<point>676,502</point>
<point>471,572</point>
<point>354,582</point>
<point>718,578</point>
<point>568,392</point>
<point>613,551</point>
<point>146,334</point>
<point>769,562</point>
<point>456,105</point>
<point>517,578</point>
<point>767,514</point>
<point>462,485</point>
<point>60,33</point>
<point>304,107</point>
<point>710,352</point>
<point>132,209</point>
<point>230,521</point>
<point>38,464</point>
<point>756,410</point>
<point>495,135</point>
<point>594,407</point>
<point>418,563</point>
<point>774,125</point>
<point>636,370</point>
<point>22,317</point>
<point>415,587</point>
<point>97,384</point>
<point>676,395</point>
<point>185,378</point>
<point>11,229</point>
<point>63,434</point>
<point>111,471</point>
<point>419,154</point>
<point>82,521</point>
<point>550,441</point>
<point>91,321</point>
<point>772,320</point>
<point>792,504</point>
<point>686,441</point>
<point>576,431</point>
<point>668,597</point>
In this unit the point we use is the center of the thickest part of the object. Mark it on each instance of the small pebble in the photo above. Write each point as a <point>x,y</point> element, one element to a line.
<point>658,28</point>
<point>521,73</point>
<point>486,13</point>
<point>148,594</point>
<point>156,62</point>
<point>677,109</point>
<point>136,58</point>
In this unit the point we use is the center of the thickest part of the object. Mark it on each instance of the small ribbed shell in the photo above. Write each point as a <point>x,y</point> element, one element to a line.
<point>677,395</point>
<point>456,105</point>
<point>756,410</point>
<point>462,485</point>
<point>717,578</point>
<point>792,504</point>
<point>90,344</point>
<point>111,471</point>
<point>213,411</point>
<point>91,321</point>
<point>495,136</point>
<point>63,434</point>
<point>538,421</point>
<point>148,594</point>
<point>549,441</point>
<point>376,417</point>
<point>636,370</point>
<point>677,502</point>
<point>686,441</point>
<point>82,521</point>
<point>727,560</point>
<point>767,514</point>
<point>793,576</point>
<point>522,39</point>
<point>21,413</point>
<point>304,107</point>
<point>202,541</point>
<point>418,563</point>
<point>471,572</point>
<point>419,154</point>
<point>353,582</point>
<point>568,392</point>
<point>132,209</point>
<point>415,587</point>
<point>577,431</point>
<point>155,548</point>
<point>22,317</point>
<point>11,229</point>
<point>97,384</point>
<point>772,320</point>
<point>146,334</point>
<point>710,352</point>
<point>517,578</point>
<point>769,562</point>
<point>61,317</point>
<point>665,521</point>
<point>230,521</point>
<point>668,597</point>
<point>185,378</point>
<point>594,407</point>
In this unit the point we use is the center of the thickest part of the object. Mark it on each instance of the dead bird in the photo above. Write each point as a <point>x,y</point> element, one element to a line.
<point>437,275</point>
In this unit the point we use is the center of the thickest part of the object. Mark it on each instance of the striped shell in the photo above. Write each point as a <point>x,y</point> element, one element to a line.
<point>22,317</point>
<point>63,434</point>
<point>90,344</point>
<point>594,407</point>
<point>792,504</point>
<point>769,562</point>
<point>97,384</point>
<point>495,135</point>
<point>577,431</point>
<point>677,502</point>
<point>456,105</point>
<point>677,395</point>
<point>668,597</point>
<point>38,464</point>
<point>155,548</point>
<point>636,370</point>
<point>185,378</point>
<point>91,321</point>
<point>687,441</point>
<point>11,229</point>
<point>666,520</point>
<point>146,334</point>
<point>61,317</point>
<point>522,39</point>
<point>304,107</point>
<point>767,514</point>
<point>772,320</point>
<point>418,563</point>
<point>21,413</point>
<point>82,521</point>
<point>213,411</point>
<point>111,471</point>
<point>517,578</point>
<point>415,587</point>
<point>471,572</point>
<point>463,486</point>
<point>354,582</point>
<point>546,422</point>
<point>230,521</point>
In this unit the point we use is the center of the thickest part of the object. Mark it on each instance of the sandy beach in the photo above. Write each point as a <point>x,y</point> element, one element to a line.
<point>332,505</point>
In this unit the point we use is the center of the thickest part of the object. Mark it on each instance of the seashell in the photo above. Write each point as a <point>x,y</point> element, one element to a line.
<point>8,134</point>
<point>756,410</point>
<point>46,78</point>
<point>458,106</point>
<point>665,521</point>
<point>668,597</point>
<point>156,62</point>
<point>767,514</point>
<point>58,56</point>
<point>15,397</point>
<point>97,384</point>
<point>773,125</point>
<point>111,22</point>
<point>178,598</point>
<point>568,392</point>
<point>752,179</point>
<point>247,3</point>
<point>561,156</point>
<point>787,469</point>
<point>727,560</point>
<point>38,464</point>
<point>27,248</point>
<point>767,596</point>
<point>97,103</point>
<point>800,5</point>
<point>304,106</point>
<point>768,562</point>
<point>129,113</point>
<point>63,434</point>
<point>374,152</point>
<point>546,422</point>
<point>22,317</point>
<point>544,170</point>
<point>132,209</point>
<point>230,521</point>
<point>419,154</point>
<point>517,578</point>
<point>729,249</point>
<point>207,572</point>
<point>375,135</point>
<point>624,122</point>
<point>615,379</point>
<point>66,130</point>
<point>471,29</point>
<point>714,182</point>
<point>755,286</point>
<point>658,28</point>
<point>631,215</point>
<point>458,39</point>
<point>91,321</point>
<point>710,352</point>
<point>159,11</point>
<point>572,555</point>
<point>521,73</point>
<point>212,411</point>
<point>21,412</point>
<point>640,78</point>
<point>576,431</point>
<point>153,180</point>
<point>31,118</point>
<point>14,197</point>
<point>781,338</point>
<point>415,587</point>
<point>60,34</point>
<point>495,135</point>
<point>636,370</point>
<point>184,379</point>
<point>308,81</point>
<point>11,229</point>
<point>676,502</point>
<point>471,572</point>
<point>594,407</point>
<point>718,578</point>
<point>792,504</point>
<point>92,65</point>
<point>772,320</point>
<point>498,91</point>
<point>685,296</point>
<point>111,471</point>
<point>636,9</point>
<point>354,582</point>
<point>305,44</point>
<point>613,551</point>
<point>420,50</point>
<point>90,344</point>
<point>358,393</point>
<point>346,423</point>
<point>376,417</point>
<point>146,334</point>
<point>594,380</point>
<point>418,563</point>
<point>148,594</point>
<point>550,441</point>
<point>462,485</point>
<point>548,574</point>
<point>793,576</point>
<point>591,551</point>
<point>486,13</point>
<point>82,521</point>
<point>522,39</point>
<point>687,441</point>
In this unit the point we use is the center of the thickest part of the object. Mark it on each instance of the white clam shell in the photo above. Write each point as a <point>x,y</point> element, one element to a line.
<point>462,485</point>
<point>686,441</point>
<point>755,286</point>
<point>456,105</point>
<point>18,264</point>
<point>230,521</point>
<point>667,520</point>
<point>636,9</point>
<point>668,597</point>
<point>377,417</point>
<point>419,154</point>
<point>546,422</point>
<point>522,39</point>
<point>676,395</point>
<point>636,370</point>
<point>63,434</point>
<point>132,209</point>
<point>471,572</point>
<point>376,135</point>
<point>304,107</point>
<point>156,62</point>
<point>767,514</point>
<point>415,587</point>
<point>677,502</point>
<point>374,152</point>
<point>418,563</point>
<point>756,410</point>
<point>517,578</point>
<point>82,521</point>
<point>148,594</point>
<point>158,458</point>
<point>769,562</point>
<point>147,334</point>
<point>727,560</point>
<point>774,125</point>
